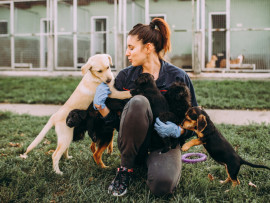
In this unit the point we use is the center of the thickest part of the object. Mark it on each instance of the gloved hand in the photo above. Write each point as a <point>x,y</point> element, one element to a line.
<point>101,95</point>
<point>167,129</point>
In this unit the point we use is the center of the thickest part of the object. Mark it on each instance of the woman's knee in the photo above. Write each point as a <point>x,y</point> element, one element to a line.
<point>162,186</point>
<point>138,107</point>
<point>138,101</point>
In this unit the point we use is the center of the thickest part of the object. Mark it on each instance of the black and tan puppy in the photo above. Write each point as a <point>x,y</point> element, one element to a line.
<point>146,86</point>
<point>92,122</point>
<point>217,146</point>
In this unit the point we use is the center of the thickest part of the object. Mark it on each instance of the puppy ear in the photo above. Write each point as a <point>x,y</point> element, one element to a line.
<point>82,114</point>
<point>110,59</point>
<point>201,123</point>
<point>87,66</point>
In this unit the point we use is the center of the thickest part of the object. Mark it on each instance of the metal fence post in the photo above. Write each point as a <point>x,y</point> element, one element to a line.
<point>197,53</point>
<point>50,43</point>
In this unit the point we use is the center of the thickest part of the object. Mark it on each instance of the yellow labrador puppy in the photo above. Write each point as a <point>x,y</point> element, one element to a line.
<point>95,71</point>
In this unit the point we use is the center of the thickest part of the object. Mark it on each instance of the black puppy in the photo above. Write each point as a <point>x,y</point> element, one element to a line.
<point>215,143</point>
<point>179,100</point>
<point>146,86</point>
<point>91,121</point>
<point>82,121</point>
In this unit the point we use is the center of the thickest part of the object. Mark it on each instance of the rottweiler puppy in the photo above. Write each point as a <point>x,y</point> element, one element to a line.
<point>146,86</point>
<point>91,121</point>
<point>217,146</point>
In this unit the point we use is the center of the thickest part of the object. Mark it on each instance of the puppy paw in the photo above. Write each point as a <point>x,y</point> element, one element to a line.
<point>109,151</point>
<point>102,165</point>
<point>23,156</point>
<point>59,172</point>
<point>185,148</point>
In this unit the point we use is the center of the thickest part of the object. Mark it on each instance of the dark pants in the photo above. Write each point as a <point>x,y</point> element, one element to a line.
<point>134,141</point>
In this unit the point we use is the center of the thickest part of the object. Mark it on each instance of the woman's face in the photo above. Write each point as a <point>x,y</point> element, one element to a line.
<point>136,51</point>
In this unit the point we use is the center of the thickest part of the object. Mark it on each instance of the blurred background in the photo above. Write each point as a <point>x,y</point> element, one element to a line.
<point>207,35</point>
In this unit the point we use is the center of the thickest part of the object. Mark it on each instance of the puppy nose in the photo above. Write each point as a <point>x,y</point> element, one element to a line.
<point>108,80</point>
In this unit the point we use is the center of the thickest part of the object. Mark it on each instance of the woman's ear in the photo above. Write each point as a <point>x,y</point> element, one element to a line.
<point>149,47</point>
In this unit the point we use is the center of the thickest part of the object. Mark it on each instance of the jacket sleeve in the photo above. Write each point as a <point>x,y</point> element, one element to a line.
<point>192,91</point>
<point>120,80</point>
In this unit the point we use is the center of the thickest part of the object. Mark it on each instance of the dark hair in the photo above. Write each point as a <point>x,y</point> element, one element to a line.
<point>157,32</point>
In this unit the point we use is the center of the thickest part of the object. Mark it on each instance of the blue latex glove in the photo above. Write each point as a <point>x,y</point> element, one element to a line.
<point>167,129</point>
<point>101,95</point>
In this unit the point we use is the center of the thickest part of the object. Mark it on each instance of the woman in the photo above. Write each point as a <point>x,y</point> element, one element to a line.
<point>146,46</point>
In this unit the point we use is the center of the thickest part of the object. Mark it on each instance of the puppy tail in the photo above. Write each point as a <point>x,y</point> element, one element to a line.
<point>39,138</point>
<point>253,165</point>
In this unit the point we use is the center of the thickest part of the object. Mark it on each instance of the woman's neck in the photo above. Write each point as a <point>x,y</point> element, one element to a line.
<point>152,66</point>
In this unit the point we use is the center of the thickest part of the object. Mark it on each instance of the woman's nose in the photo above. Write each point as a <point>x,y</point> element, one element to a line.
<point>127,52</point>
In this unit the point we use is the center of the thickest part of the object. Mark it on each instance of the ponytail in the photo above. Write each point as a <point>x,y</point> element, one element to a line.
<point>157,32</point>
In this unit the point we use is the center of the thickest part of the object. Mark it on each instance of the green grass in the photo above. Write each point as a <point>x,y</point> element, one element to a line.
<point>213,94</point>
<point>39,90</point>
<point>233,94</point>
<point>32,180</point>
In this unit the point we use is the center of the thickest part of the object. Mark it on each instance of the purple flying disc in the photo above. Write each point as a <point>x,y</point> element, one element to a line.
<point>202,157</point>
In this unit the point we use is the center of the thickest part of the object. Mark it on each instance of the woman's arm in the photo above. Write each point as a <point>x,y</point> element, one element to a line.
<point>111,117</point>
<point>104,112</point>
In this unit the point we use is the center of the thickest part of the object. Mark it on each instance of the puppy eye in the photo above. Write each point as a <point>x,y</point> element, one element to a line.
<point>99,71</point>
<point>108,67</point>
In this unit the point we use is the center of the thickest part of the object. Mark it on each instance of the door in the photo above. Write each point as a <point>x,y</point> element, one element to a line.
<point>217,36</point>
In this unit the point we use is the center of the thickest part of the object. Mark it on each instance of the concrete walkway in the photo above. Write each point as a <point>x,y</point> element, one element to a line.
<point>237,117</point>
<point>203,75</point>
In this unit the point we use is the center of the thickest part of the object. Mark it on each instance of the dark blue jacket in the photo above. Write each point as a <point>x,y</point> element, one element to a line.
<point>125,80</point>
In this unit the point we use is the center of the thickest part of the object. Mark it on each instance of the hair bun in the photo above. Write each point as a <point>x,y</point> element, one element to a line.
<point>152,25</point>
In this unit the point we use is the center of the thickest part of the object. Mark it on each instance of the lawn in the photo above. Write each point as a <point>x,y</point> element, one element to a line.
<point>32,180</point>
<point>213,94</point>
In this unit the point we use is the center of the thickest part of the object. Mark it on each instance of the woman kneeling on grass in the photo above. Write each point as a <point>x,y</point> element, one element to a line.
<point>146,46</point>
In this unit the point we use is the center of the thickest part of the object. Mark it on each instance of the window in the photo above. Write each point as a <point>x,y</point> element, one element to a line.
<point>99,36</point>
<point>152,16</point>
<point>3,27</point>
